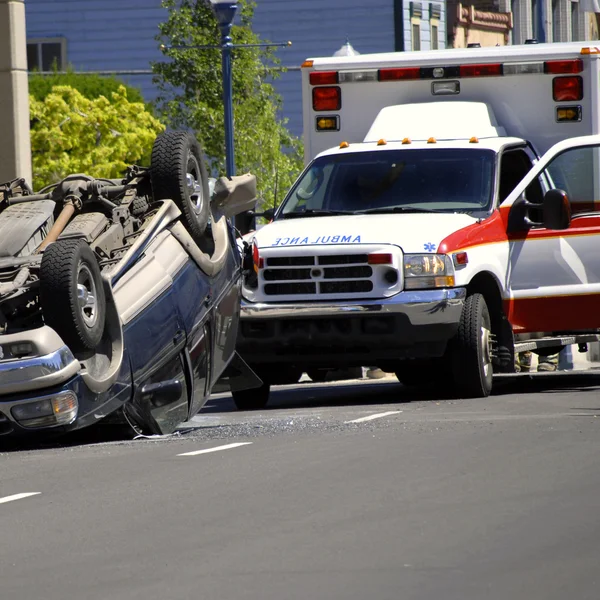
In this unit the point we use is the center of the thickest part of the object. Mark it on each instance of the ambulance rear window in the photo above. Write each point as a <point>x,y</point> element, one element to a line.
<point>440,179</point>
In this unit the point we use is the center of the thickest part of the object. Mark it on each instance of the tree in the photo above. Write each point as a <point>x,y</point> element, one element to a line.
<point>99,137</point>
<point>90,85</point>
<point>191,91</point>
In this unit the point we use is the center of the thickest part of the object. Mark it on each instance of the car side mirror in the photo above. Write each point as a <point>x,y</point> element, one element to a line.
<point>556,210</point>
<point>266,214</point>
<point>163,392</point>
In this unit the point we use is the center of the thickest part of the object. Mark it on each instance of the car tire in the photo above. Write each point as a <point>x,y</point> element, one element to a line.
<point>254,399</point>
<point>470,350</point>
<point>72,294</point>
<point>178,172</point>
<point>318,375</point>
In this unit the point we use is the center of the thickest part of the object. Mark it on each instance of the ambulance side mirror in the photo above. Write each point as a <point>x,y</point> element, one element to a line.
<point>556,210</point>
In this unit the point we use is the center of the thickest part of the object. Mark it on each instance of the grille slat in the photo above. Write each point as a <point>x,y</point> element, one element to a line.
<point>345,287</point>
<point>290,261</point>
<point>347,272</point>
<point>342,259</point>
<point>286,274</point>
<point>283,289</point>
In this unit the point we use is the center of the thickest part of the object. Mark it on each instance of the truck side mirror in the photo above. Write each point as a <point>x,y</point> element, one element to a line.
<point>556,210</point>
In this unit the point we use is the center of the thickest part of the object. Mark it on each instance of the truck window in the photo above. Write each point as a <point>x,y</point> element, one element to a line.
<point>514,165</point>
<point>440,179</point>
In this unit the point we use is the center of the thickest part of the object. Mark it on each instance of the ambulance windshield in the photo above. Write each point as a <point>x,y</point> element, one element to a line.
<point>415,180</point>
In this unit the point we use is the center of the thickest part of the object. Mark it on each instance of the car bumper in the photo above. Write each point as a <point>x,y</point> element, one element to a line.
<point>416,324</point>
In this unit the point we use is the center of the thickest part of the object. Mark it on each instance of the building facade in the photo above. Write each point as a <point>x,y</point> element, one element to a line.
<point>112,35</point>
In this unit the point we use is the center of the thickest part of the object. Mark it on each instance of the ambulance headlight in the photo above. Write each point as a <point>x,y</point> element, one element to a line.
<point>427,271</point>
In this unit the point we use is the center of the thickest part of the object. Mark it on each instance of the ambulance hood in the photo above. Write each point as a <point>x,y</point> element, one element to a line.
<point>419,232</point>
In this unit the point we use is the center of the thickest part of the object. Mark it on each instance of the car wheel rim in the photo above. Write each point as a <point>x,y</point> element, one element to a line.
<point>194,188</point>
<point>87,297</point>
<point>486,350</point>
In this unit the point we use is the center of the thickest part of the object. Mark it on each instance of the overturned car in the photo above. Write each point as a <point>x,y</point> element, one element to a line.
<point>119,297</point>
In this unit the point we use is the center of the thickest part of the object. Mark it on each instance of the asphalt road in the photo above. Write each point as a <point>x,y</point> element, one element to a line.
<point>349,491</point>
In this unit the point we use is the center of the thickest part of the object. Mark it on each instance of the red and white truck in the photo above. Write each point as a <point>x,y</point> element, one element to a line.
<point>448,216</point>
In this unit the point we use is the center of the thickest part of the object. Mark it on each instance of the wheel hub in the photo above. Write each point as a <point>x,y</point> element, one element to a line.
<point>486,349</point>
<point>87,296</point>
<point>195,192</point>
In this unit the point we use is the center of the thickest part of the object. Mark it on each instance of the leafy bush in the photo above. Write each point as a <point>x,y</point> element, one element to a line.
<point>88,85</point>
<point>100,137</point>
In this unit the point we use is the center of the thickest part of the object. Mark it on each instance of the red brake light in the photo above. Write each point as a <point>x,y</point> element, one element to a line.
<point>399,74</point>
<point>567,89</point>
<point>560,67</point>
<point>323,77</point>
<point>327,98</point>
<point>380,259</point>
<point>480,70</point>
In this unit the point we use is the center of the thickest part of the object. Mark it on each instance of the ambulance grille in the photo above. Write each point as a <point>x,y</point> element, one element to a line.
<point>307,275</point>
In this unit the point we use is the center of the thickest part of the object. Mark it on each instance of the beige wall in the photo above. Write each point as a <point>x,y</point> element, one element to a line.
<point>15,147</point>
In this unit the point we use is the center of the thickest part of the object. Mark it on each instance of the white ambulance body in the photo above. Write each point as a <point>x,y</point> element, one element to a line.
<point>426,236</point>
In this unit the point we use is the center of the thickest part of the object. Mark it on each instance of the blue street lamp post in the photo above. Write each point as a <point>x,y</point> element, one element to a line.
<point>225,11</point>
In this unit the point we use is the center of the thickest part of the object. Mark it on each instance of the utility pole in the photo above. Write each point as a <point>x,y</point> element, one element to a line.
<point>15,144</point>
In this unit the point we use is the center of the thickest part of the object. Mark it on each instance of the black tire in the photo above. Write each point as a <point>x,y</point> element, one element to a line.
<point>254,399</point>
<point>68,269</point>
<point>175,155</point>
<point>318,375</point>
<point>470,351</point>
<point>411,375</point>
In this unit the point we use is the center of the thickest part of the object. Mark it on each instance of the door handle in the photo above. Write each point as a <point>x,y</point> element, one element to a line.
<point>178,337</point>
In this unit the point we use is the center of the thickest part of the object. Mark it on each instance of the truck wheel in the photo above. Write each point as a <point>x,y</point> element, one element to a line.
<point>470,350</point>
<point>318,375</point>
<point>178,173</point>
<point>71,294</point>
<point>253,399</point>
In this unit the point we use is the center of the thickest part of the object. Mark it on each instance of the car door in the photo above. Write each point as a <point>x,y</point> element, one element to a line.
<point>553,276</point>
<point>155,335</point>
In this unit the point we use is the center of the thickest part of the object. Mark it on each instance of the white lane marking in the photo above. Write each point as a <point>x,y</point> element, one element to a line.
<point>376,416</point>
<point>18,497</point>
<point>217,449</point>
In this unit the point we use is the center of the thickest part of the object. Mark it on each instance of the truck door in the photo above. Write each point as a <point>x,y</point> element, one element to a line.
<point>553,276</point>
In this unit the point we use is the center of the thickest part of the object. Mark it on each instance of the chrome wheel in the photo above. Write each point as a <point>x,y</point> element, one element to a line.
<point>194,188</point>
<point>486,350</point>
<point>87,296</point>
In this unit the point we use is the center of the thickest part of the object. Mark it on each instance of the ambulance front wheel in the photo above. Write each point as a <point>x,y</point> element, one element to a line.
<point>470,351</point>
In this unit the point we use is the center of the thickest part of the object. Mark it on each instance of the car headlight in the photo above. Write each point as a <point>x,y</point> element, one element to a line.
<point>426,271</point>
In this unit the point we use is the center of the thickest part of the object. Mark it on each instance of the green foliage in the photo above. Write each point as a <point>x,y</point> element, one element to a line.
<point>88,85</point>
<point>100,137</point>
<point>191,95</point>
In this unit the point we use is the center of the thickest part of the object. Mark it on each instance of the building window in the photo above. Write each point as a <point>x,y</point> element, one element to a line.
<point>46,54</point>
<point>574,21</point>
<point>416,36</point>
<point>434,36</point>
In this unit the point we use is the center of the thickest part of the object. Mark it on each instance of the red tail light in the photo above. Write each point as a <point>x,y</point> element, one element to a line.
<point>323,77</point>
<point>327,98</point>
<point>399,74</point>
<point>567,89</point>
<point>481,70</point>
<point>562,67</point>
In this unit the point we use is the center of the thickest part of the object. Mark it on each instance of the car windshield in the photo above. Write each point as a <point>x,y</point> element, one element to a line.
<point>422,180</point>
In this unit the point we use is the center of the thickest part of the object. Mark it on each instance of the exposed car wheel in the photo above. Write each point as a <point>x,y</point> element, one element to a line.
<point>318,375</point>
<point>413,374</point>
<point>178,173</point>
<point>470,350</point>
<point>71,294</point>
<point>253,399</point>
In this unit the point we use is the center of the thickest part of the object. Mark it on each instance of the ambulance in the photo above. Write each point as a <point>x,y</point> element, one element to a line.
<point>448,217</point>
